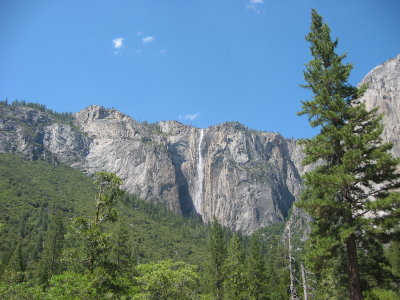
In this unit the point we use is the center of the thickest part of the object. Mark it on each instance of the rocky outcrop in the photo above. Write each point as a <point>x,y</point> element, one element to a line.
<point>247,179</point>
<point>384,92</point>
<point>131,150</point>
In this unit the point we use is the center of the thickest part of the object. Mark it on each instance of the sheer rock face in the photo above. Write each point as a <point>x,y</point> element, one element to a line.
<point>247,179</point>
<point>384,92</point>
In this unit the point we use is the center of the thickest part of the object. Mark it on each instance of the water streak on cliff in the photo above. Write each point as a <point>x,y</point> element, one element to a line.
<point>200,176</point>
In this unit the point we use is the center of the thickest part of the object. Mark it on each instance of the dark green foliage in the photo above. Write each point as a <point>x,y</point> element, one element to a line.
<point>31,194</point>
<point>256,266</point>
<point>90,231</point>
<point>347,194</point>
<point>157,234</point>
<point>21,291</point>
<point>122,255</point>
<point>217,256</point>
<point>30,191</point>
<point>16,267</point>
<point>50,262</point>
<point>235,281</point>
<point>393,255</point>
<point>332,282</point>
<point>274,253</point>
<point>277,270</point>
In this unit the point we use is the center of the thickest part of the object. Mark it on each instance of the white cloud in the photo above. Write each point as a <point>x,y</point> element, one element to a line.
<point>139,33</point>
<point>118,42</point>
<point>148,40</point>
<point>190,117</point>
<point>255,5</point>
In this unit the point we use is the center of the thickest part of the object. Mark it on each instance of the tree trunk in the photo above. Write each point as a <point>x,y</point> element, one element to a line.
<point>293,292</point>
<point>304,278</point>
<point>354,277</point>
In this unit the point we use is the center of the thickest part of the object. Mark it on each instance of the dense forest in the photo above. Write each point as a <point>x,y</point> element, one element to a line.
<point>142,251</point>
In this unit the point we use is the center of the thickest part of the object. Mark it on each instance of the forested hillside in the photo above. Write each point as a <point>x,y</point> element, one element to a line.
<point>42,254</point>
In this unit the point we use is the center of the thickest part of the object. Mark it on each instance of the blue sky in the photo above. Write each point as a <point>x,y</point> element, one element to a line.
<point>201,62</point>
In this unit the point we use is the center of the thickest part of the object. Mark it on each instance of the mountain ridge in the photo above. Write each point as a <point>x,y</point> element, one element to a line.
<point>246,178</point>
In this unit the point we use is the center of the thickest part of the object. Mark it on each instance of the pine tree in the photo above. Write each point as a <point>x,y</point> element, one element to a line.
<point>50,261</point>
<point>91,231</point>
<point>235,284</point>
<point>347,194</point>
<point>277,270</point>
<point>256,270</point>
<point>217,251</point>
<point>122,253</point>
<point>16,267</point>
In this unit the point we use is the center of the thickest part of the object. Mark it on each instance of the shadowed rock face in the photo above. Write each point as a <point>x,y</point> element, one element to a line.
<point>247,179</point>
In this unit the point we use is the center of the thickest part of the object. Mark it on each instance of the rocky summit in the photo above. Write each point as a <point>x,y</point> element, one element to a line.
<point>247,179</point>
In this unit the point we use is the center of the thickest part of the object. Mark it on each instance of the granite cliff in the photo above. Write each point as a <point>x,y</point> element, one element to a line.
<point>245,178</point>
<point>384,92</point>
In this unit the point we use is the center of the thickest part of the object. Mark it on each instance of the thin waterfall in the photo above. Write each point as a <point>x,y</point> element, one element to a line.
<point>200,176</point>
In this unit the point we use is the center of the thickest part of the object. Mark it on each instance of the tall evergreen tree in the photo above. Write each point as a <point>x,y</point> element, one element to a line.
<point>236,283</point>
<point>122,253</point>
<point>347,193</point>
<point>277,270</point>
<point>50,260</point>
<point>91,231</point>
<point>256,270</point>
<point>217,252</point>
<point>16,267</point>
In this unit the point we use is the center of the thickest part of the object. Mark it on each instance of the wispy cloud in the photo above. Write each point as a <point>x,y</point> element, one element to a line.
<point>255,5</point>
<point>148,40</point>
<point>190,117</point>
<point>118,42</point>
